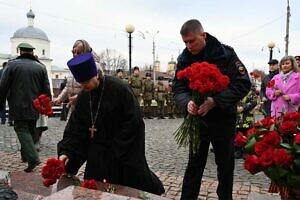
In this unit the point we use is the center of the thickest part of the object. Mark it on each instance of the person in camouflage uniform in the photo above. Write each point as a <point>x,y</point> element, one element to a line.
<point>170,101</point>
<point>148,90</point>
<point>136,84</point>
<point>245,117</point>
<point>160,97</point>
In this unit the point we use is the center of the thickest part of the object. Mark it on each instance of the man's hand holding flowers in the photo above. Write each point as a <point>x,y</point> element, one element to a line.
<point>206,106</point>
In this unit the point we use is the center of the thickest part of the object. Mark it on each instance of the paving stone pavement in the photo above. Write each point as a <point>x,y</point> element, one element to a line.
<point>163,156</point>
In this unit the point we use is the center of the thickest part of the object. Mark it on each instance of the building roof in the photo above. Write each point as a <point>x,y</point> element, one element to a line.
<point>59,69</point>
<point>30,32</point>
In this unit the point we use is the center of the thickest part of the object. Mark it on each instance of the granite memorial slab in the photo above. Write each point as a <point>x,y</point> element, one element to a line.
<point>129,193</point>
<point>30,183</point>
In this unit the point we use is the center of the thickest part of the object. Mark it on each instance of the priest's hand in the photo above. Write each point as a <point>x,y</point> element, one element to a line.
<point>64,159</point>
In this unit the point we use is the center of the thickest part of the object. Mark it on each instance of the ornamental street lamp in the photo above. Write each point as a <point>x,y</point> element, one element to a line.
<point>129,29</point>
<point>271,45</point>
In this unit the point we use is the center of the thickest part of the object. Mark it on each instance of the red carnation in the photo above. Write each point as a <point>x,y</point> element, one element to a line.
<point>252,164</point>
<point>297,138</point>
<point>204,77</point>
<point>43,105</point>
<point>288,127</point>
<point>266,158</point>
<point>265,123</point>
<point>292,116</point>
<point>250,131</point>
<point>90,184</point>
<point>282,158</point>
<point>271,83</point>
<point>48,182</point>
<point>272,138</point>
<point>240,140</point>
<point>260,147</point>
<point>53,169</point>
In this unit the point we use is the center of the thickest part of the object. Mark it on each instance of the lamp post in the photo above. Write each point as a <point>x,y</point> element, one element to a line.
<point>271,45</point>
<point>153,51</point>
<point>129,29</point>
<point>288,15</point>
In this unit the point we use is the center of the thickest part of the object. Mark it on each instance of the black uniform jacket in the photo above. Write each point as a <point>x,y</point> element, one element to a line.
<point>229,64</point>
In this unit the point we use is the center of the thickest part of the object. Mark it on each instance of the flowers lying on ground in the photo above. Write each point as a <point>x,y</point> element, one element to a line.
<point>204,80</point>
<point>273,146</point>
<point>90,184</point>
<point>43,105</point>
<point>108,187</point>
<point>55,169</point>
<point>52,171</point>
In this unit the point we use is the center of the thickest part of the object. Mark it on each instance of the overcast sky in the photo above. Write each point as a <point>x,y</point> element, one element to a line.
<point>248,26</point>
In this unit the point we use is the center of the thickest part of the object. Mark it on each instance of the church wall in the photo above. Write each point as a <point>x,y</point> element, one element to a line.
<point>38,44</point>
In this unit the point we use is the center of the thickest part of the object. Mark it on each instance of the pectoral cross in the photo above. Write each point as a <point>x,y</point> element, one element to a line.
<point>92,130</point>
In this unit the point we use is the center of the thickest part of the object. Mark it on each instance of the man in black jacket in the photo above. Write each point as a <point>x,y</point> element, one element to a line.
<point>218,111</point>
<point>266,103</point>
<point>25,78</point>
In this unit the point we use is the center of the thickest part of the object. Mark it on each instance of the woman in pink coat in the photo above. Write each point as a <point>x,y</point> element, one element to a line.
<point>285,93</point>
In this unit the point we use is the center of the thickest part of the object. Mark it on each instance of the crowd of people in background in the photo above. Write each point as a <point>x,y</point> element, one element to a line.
<point>235,110</point>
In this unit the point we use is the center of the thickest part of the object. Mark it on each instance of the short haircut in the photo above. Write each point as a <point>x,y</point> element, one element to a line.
<point>293,61</point>
<point>192,25</point>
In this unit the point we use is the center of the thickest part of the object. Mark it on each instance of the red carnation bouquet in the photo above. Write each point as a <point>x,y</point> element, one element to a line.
<point>205,79</point>
<point>43,105</point>
<point>53,170</point>
<point>273,147</point>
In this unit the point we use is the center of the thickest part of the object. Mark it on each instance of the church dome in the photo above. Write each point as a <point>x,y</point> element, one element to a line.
<point>30,31</point>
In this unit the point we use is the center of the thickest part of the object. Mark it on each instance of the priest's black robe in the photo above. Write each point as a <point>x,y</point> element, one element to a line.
<point>117,151</point>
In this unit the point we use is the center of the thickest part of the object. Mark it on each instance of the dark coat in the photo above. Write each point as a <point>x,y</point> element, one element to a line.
<point>266,107</point>
<point>25,78</point>
<point>117,151</point>
<point>229,64</point>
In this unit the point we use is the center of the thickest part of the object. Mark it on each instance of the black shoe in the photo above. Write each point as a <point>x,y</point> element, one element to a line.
<point>150,117</point>
<point>2,122</point>
<point>31,166</point>
<point>11,124</point>
<point>23,160</point>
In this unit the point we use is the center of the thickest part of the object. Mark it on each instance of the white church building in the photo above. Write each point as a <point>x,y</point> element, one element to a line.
<point>36,38</point>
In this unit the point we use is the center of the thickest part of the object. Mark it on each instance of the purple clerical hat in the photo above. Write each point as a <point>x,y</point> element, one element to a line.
<point>83,67</point>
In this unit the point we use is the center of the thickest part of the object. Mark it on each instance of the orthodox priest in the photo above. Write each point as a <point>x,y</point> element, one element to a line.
<point>107,130</point>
